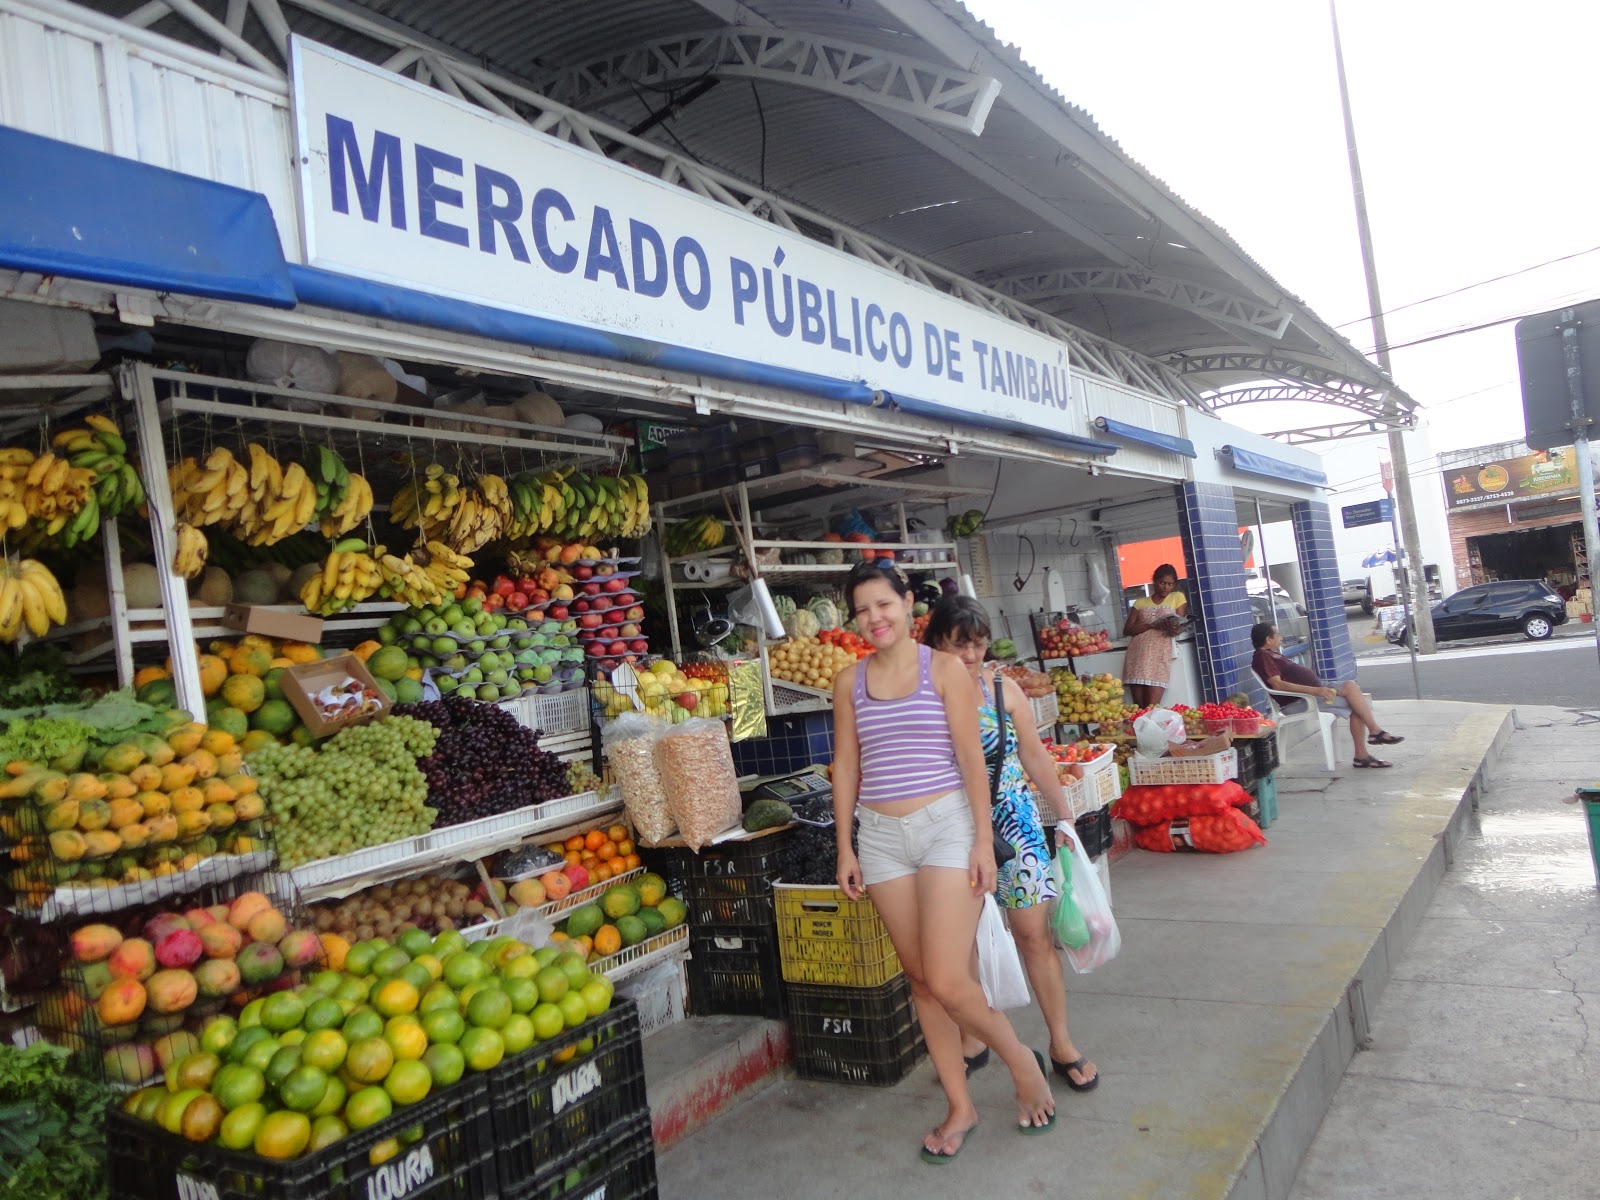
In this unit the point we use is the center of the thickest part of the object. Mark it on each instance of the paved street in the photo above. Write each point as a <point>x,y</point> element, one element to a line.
<point>1564,672</point>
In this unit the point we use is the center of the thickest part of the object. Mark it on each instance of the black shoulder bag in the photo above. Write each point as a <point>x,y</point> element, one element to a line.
<point>1004,851</point>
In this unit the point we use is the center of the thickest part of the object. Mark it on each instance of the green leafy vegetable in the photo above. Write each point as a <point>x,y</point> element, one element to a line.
<point>42,739</point>
<point>52,1127</point>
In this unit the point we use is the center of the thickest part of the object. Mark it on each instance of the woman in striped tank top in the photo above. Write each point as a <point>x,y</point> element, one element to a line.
<point>907,749</point>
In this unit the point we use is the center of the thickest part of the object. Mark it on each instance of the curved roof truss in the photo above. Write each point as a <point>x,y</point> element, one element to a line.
<point>1227,309</point>
<point>1278,378</point>
<point>939,95</point>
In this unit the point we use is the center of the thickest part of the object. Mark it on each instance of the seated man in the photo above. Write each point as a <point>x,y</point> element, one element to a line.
<point>1283,675</point>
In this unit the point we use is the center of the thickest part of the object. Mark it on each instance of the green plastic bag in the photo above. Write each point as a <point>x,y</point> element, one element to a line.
<point>1066,922</point>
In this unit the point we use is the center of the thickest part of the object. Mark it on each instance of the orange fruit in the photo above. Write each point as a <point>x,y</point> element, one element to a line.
<point>213,673</point>
<point>607,940</point>
<point>407,1038</point>
<point>607,851</point>
<point>395,997</point>
<point>625,847</point>
<point>409,1082</point>
<point>594,839</point>
<point>572,856</point>
<point>632,861</point>
<point>283,1135</point>
<point>618,833</point>
<point>369,1060</point>
<point>367,1107</point>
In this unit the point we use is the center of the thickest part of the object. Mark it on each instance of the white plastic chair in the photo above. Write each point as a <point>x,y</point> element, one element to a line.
<point>1311,714</point>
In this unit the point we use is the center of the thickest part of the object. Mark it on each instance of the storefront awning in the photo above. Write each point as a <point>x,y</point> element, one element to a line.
<point>65,210</point>
<point>1171,443</point>
<point>1249,462</point>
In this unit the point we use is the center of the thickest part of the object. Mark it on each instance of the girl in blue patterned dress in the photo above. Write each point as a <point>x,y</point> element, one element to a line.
<point>960,626</point>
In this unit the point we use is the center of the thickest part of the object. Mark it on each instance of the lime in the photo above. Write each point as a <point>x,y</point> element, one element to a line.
<point>282,1065</point>
<point>282,1011</point>
<point>517,1033</point>
<point>524,994</point>
<point>573,1009</point>
<point>363,1023</point>
<point>482,1048</point>
<point>548,1021</point>
<point>489,1008</point>
<point>438,997</point>
<point>323,1013</point>
<point>445,1063</point>
<point>367,1107</point>
<point>409,1082</point>
<point>325,1049</point>
<point>463,968</point>
<point>303,1090</point>
<point>243,1040</point>
<point>388,962</point>
<point>552,983</point>
<point>238,1131</point>
<point>444,1027</point>
<point>237,1085</point>
<point>332,1099</point>
<point>415,942</point>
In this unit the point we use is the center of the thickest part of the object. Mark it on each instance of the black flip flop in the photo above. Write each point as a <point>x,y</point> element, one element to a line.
<point>1384,738</point>
<point>1065,1071</point>
<point>977,1062</point>
<point>1370,761</point>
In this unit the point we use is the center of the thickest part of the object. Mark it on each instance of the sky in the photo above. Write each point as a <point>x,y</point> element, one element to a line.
<point>1475,128</point>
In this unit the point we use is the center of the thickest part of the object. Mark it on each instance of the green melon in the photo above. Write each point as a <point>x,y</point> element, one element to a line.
<point>275,717</point>
<point>408,690</point>
<point>388,664</point>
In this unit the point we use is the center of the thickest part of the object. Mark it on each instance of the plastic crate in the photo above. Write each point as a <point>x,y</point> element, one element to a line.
<point>564,712</point>
<point>1247,764</point>
<point>1266,747</point>
<point>545,1110</point>
<point>452,1159</point>
<point>734,870</point>
<point>1046,709</point>
<point>1101,776</point>
<point>855,1035</point>
<point>616,1165</point>
<point>1209,768</point>
<point>661,995</point>
<point>1094,832</point>
<point>824,938</point>
<point>1075,792</point>
<point>735,972</point>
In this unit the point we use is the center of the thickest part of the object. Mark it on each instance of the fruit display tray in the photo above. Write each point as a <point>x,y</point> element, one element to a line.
<point>668,944</point>
<point>84,901</point>
<point>332,878</point>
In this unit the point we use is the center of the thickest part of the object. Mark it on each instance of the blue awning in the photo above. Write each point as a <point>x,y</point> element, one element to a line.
<point>1251,463</point>
<point>65,210</point>
<point>1170,442</point>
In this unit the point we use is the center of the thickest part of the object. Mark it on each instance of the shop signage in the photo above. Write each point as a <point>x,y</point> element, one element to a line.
<point>1373,512</point>
<point>1543,473</point>
<point>402,184</point>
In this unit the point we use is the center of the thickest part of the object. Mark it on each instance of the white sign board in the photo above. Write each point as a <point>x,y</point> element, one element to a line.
<point>402,184</point>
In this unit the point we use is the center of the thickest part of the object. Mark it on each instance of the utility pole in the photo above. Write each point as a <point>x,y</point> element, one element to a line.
<point>1580,445</point>
<point>1414,596</point>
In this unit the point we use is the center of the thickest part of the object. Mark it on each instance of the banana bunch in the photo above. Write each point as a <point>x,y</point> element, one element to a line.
<point>100,449</point>
<point>427,503</point>
<point>444,566</point>
<point>703,532</point>
<point>189,559</point>
<point>350,573</point>
<point>570,505</point>
<point>343,499</point>
<point>213,492</point>
<point>47,491</point>
<point>30,598</point>
<point>481,516</point>
<point>407,581</point>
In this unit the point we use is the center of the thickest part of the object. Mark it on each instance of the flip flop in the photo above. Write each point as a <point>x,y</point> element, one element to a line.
<point>1369,761</point>
<point>934,1159</point>
<point>1036,1130</point>
<point>1384,738</point>
<point>977,1062</point>
<point>1065,1071</point>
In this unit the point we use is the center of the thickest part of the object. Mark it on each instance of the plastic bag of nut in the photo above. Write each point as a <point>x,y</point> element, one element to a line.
<point>695,762</point>
<point>630,746</point>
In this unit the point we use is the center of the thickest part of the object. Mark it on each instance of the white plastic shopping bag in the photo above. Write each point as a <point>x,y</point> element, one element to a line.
<point>1154,731</point>
<point>999,964</point>
<point>1105,939</point>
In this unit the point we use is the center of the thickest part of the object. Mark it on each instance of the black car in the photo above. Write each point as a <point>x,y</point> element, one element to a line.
<point>1528,606</point>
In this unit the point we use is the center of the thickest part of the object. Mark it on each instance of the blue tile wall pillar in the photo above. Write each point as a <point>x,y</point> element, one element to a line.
<point>1218,602</point>
<point>1333,658</point>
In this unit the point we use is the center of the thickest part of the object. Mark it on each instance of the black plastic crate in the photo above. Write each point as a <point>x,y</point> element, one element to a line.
<point>739,912</point>
<point>727,871</point>
<point>736,972</point>
<point>854,1035</point>
<point>447,1152</point>
<point>1094,831</point>
<point>619,1165</point>
<point>1266,745</point>
<point>546,1108</point>
<point>1248,756</point>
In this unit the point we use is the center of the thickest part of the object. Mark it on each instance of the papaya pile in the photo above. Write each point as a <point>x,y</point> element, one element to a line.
<point>151,805</point>
<point>625,914</point>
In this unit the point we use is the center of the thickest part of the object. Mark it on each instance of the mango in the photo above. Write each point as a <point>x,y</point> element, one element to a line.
<point>93,814</point>
<point>84,786</point>
<point>125,812</point>
<point>122,758</point>
<point>118,787</point>
<point>101,843</point>
<point>94,943</point>
<point>171,991</point>
<point>63,815</point>
<point>68,845</point>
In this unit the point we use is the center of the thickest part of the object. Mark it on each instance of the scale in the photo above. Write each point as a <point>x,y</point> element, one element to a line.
<point>795,789</point>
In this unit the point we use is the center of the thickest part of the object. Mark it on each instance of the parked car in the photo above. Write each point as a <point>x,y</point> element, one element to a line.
<point>1275,608</point>
<point>1528,606</point>
<point>1355,592</point>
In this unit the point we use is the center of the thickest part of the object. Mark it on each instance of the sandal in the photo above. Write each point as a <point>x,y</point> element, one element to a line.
<point>934,1159</point>
<point>1384,738</point>
<point>1065,1071</point>
<point>1031,1130</point>
<point>1370,761</point>
<point>977,1062</point>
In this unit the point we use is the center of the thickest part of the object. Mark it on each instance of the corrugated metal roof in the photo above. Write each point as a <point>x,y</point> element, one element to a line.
<point>1017,199</point>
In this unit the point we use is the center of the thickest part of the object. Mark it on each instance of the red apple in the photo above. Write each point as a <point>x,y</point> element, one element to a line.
<point>619,648</point>
<point>578,874</point>
<point>503,586</point>
<point>600,603</point>
<point>635,613</point>
<point>579,571</point>
<point>495,602</point>
<point>539,596</point>
<point>606,569</point>
<point>526,585</point>
<point>687,700</point>
<point>558,612</point>
<point>591,588</point>
<point>516,600</point>
<point>596,650</point>
<point>608,664</point>
<point>578,606</point>
<point>614,584</point>
<point>638,645</point>
<point>589,620</point>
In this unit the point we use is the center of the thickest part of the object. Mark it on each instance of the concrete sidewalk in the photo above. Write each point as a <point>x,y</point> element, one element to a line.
<point>1479,1078</point>
<point>1222,1031</point>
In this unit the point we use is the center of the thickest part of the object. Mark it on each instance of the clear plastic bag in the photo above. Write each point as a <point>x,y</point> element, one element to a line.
<point>1105,939</point>
<point>999,964</point>
<point>695,762</point>
<point>1154,731</point>
<point>630,742</point>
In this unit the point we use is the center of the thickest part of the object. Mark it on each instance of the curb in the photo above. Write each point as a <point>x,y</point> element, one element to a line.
<point>1273,1164</point>
<point>695,1094</point>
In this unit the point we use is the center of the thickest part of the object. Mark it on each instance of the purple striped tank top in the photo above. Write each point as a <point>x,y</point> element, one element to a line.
<point>906,749</point>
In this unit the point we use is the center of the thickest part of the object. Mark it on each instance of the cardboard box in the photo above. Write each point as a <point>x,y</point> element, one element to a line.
<point>316,690</point>
<point>271,622</point>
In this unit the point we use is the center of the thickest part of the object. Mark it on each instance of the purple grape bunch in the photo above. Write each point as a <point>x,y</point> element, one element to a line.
<point>484,762</point>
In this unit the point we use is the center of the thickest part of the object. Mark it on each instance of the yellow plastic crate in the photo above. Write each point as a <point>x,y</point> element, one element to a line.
<point>824,938</point>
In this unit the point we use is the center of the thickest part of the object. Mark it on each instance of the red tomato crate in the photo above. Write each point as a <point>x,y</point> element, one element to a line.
<point>547,1113</point>
<point>452,1158</point>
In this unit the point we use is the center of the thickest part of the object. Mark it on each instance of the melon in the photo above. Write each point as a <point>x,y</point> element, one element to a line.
<point>216,588</point>
<point>141,584</point>
<point>256,586</point>
<point>538,408</point>
<point>301,574</point>
<point>275,717</point>
<point>281,573</point>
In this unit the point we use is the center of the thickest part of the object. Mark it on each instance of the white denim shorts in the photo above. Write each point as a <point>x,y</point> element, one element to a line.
<point>937,835</point>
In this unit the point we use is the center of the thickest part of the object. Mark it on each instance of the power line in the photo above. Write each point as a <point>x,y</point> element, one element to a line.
<point>1471,286</point>
<point>1457,331</point>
